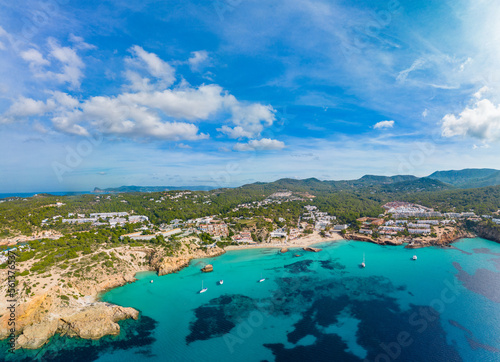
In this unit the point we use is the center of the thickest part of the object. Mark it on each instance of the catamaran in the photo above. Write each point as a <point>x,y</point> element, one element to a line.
<point>203,290</point>
<point>363,263</point>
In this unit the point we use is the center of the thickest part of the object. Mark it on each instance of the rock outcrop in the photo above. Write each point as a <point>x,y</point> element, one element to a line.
<point>172,264</point>
<point>36,326</point>
<point>41,316</point>
<point>207,268</point>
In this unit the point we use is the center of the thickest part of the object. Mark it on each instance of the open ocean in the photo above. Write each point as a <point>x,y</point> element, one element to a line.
<point>55,193</point>
<point>315,307</point>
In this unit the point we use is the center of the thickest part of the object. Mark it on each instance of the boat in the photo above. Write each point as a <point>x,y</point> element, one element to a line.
<point>203,290</point>
<point>151,281</point>
<point>221,282</point>
<point>363,263</point>
<point>261,279</point>
<point>414,257</point>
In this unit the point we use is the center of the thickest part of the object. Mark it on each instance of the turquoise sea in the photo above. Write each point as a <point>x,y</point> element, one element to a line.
<point>314,307</point>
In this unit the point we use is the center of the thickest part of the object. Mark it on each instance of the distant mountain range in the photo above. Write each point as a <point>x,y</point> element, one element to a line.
<point>439,180</point>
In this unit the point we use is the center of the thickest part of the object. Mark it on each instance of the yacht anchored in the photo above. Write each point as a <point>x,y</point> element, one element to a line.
<point>203,290</point>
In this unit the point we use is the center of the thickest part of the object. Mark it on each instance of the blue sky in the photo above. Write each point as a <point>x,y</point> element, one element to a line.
<point>227,92</point>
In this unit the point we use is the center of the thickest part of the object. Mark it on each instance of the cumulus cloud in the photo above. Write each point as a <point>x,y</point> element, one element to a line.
<point>34,58</point>
<point>264,144</point>
<point>384,125</point>
<point>70,65</point>
<point>163,72</point>
<point>481,121</point>
<point>151,106</point>
<point>198,59</point>
<point>26,107</point>
<point>479,94</point>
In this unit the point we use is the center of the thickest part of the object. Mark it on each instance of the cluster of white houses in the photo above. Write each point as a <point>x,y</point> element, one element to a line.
<point>321,219</point>
<point>101,218</point>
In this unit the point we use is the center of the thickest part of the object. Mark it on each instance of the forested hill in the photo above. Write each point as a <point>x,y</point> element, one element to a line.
<point>468,178</point>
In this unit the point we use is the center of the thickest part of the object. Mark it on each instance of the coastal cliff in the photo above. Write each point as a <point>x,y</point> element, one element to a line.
<point>487,231</point>
<point>444,238</point>
<point>54,303</point>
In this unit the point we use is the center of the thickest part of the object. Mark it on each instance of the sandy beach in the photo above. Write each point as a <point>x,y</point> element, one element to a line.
<point>302,242</point>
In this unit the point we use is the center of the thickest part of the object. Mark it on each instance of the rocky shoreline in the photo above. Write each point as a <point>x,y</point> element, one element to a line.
<point>43,315</point>
<point>445,239</point>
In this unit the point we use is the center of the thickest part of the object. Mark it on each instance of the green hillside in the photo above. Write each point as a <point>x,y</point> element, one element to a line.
<point>468,178</point>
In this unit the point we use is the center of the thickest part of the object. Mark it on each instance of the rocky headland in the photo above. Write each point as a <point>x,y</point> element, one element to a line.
<point>66,301</point>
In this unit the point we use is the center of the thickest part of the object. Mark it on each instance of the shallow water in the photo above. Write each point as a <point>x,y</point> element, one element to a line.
<point>319,306</point>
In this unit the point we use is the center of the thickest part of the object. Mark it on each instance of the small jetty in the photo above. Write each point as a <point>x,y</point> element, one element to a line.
<point>284,250</point>
<point>312,249</point>
<point>207,268</point>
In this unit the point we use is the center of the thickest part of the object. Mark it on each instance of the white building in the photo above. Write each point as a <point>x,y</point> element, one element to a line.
<point>278,233</point>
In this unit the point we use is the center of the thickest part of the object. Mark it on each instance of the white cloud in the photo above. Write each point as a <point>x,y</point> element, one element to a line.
<point>481,121</point>
<point>425,113</point>
<point>153,65</point>
<point>182,145</point>
<point>417,64</point>
<point>479,94</point>
<point>236,132</point>
<point>71,65</point>
<point>264,144</point>
<point>149,108</point>
<point>249,120</point>
<point>198,58</point>
<point>384,125</point>
<point>26,107</point>
<point>185,103</point>
<point>34,58</point>
<point>80,42</point>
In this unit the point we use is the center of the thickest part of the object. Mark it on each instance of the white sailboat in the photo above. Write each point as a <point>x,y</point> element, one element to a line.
<point>261,279</point>
<point>363,263</point>
<point>203,290</point>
